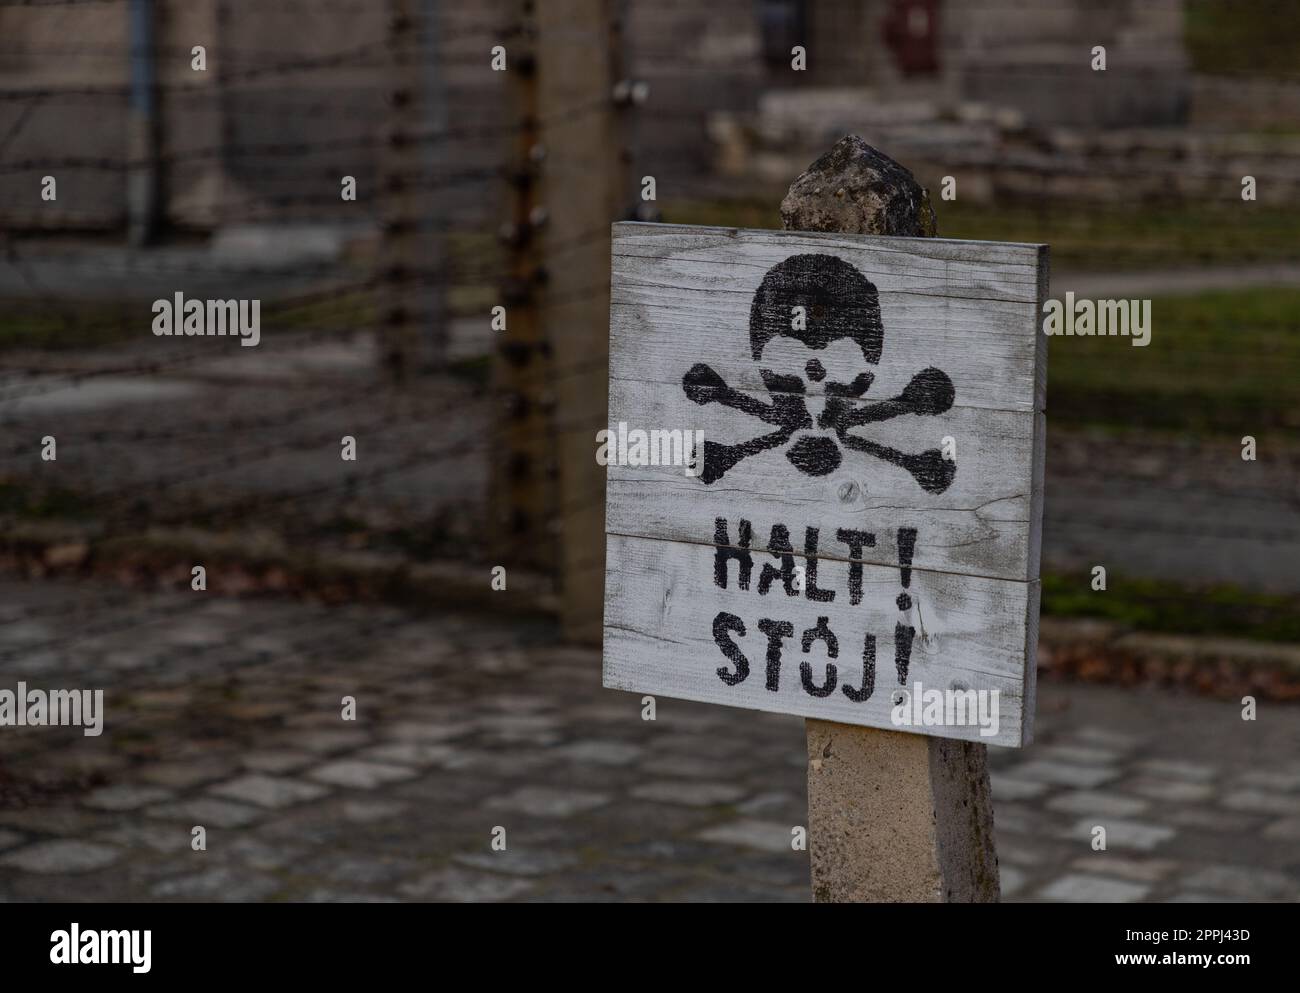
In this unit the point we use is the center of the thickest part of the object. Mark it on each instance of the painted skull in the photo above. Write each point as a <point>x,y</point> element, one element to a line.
<point>818,300</point>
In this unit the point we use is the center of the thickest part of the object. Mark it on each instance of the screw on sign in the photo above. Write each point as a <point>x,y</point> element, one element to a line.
<point>839,560</point>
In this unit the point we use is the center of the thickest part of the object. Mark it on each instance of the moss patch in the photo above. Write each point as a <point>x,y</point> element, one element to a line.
<point>1220,362</point>
<point>1171,608</point>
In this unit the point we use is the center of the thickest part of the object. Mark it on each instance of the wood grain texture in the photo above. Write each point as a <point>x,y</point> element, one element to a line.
<point>681,299</point>
<point>980,525</point>
<point>682,295</point>
<point>661,602</point>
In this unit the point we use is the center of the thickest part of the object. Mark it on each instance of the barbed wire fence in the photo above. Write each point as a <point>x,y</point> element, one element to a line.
<point>476,187</point>
<point>375,185</point>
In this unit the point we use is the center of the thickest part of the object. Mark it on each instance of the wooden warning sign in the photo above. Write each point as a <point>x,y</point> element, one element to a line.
<point>825,473</point>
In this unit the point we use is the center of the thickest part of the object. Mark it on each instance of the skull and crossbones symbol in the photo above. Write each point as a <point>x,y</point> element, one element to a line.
<point>838,302</point>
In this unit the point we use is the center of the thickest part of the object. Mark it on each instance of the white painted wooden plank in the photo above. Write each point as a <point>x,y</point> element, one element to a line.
<point>661,601</point>
<point>682,295</point>
<point>980,525</point>
<point>681,301</point>
<point>1038,486</point>
<point>998,262</point>
<point>1029,701</point>
<point>1040,349</point>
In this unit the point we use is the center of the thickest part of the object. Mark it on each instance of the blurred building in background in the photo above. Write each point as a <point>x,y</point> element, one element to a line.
<point>1138,171</point>
<point>961,72</point>
<point>1172,177</point>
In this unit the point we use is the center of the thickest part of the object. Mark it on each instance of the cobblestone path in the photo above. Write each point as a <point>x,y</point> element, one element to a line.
<point>226,713</point>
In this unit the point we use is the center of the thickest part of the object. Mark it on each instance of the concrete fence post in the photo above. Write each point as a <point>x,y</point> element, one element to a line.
<point>892,817</point>
<point>523,486</point>
<point>583,187</point>
<point>413,329</point>
<point>143,172</point>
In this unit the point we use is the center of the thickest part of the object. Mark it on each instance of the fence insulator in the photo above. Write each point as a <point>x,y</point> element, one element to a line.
<point>630,92</point>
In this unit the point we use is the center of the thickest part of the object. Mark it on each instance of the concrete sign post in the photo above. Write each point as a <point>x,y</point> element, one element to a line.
<point>824,498</point>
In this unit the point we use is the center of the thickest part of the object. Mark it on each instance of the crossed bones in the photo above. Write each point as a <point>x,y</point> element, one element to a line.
<point>929,393</point>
